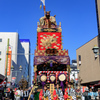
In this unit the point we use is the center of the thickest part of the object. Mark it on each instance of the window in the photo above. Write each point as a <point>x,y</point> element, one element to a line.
<point>79,58</point>
<point>0,52</point>
<point>0,40</point>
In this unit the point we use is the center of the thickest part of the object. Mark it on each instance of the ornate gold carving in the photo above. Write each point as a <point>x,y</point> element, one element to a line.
<point>39,29</point>
<point>47,42</point>
<point>59,30</point>
<point>40,53</point>
<point>61,47</point>
<point>36,48</point>
<point>35,68</point>
<point>66,54</point>
<point>49,30</point>
<point>59,23</point>
<point>36,54</point>
<point>61,53</point>
<point>68,66</point>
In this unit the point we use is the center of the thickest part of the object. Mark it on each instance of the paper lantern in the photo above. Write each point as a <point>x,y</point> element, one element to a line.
<point>62,77</point>
<point>52,78</point>
<point>43,78</point>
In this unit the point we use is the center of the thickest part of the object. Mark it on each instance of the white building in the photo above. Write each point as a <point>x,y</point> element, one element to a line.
<point>74,71</point>
<point>13,41</point>
<point>19,49</point>
<point>24,58</point>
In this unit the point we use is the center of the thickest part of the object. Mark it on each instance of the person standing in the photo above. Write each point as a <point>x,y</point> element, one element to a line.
<point>96,95</point>
<point>91,94</point>
<point>18,94</point>
<point>67,93</point>
<point>32,96</point>
<point>45,94</point>
<point>11,94</point>
<point>3,95</point>
<point>85,94</point>
<point>57,93</point>
<point>99,93</point>
<point>0,95</point>
<point>73,94</point>
<point>22,94</point>
<point>78,93</point>
<point>26,93</point>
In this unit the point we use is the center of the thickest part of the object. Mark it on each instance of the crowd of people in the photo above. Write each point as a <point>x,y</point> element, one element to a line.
<point>69,94</point>
<point>14,94</point>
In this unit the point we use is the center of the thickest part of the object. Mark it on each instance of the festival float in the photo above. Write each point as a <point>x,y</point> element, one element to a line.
<point>51,62</point>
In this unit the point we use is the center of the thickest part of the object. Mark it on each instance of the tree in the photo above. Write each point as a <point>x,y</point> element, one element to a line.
<point>23,84</point>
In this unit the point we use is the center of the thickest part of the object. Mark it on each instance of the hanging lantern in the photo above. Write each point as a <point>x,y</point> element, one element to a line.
<point>62,78</point>
<point>43,79</point>
<point>52,78</point>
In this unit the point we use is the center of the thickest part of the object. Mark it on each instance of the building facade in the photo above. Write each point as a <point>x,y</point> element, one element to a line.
<point>18,58</point>
<point>88,63</point>
<point>74,71</point>
<point>13,42</point>
<point>24,59</point>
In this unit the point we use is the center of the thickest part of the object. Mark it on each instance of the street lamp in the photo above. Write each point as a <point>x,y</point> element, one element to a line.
<point>20,68</point>
<point>95,50</point>
<point>22,76</point>
<point>12,69</point>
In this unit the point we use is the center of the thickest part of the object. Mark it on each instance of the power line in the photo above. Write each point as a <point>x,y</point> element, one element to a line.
<point>20,54</point>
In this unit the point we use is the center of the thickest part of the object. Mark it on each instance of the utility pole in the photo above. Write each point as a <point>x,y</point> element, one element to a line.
<point>97,2</point>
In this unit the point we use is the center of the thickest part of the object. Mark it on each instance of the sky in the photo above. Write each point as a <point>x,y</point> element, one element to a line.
<point>78,20</point>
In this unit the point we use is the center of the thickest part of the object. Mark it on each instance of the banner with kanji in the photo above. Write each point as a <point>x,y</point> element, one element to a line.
<point>9,62</point>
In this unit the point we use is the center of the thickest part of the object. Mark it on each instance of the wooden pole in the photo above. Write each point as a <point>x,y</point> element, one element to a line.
<point>7,56</point>
<point>30,93</point>
<point>7,61</point>
<point>44,10</point>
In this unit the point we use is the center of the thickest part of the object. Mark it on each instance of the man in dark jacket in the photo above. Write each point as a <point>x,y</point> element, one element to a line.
<point>85,94</point>
<point>11,94</point>
<point>99,93</point>
<point>0,95</point>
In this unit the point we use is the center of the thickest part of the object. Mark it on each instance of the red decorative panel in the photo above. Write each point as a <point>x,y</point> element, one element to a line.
<point>49,40</point>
